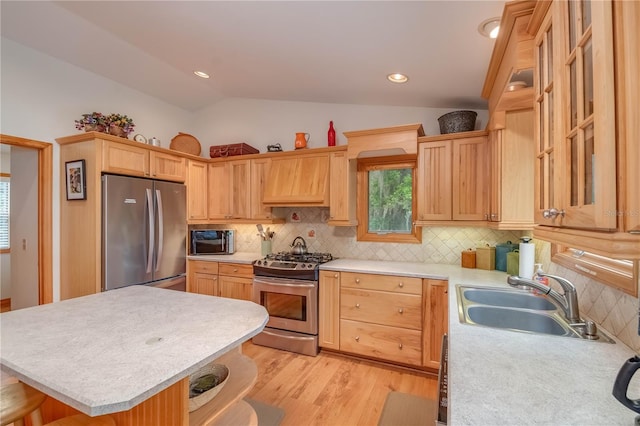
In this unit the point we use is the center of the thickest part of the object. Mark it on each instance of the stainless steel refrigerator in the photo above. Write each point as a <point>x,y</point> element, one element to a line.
<point>144,233</point>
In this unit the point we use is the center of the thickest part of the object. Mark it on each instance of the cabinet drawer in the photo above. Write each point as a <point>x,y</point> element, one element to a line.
<point>203,267</point>
<point>380,341</point>
<point>393,283</point>
<point>236,269</point>
<point>399,310</point>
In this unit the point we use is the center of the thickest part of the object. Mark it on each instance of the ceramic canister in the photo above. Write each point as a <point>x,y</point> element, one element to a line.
<point>501,255</point>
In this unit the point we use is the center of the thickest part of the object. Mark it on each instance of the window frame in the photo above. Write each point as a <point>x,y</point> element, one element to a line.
<point>619,274</point>
<point>362,198</point>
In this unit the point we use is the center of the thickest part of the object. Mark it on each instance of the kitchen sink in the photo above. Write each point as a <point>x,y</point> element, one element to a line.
<point>517,310</point>
<point>508,298</point>
<point>516,319</point>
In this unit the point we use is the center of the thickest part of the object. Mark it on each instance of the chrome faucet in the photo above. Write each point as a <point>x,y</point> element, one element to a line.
<point>568,301</point>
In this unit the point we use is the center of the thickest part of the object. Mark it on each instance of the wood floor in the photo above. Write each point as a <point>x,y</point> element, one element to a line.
<point>330,389</point>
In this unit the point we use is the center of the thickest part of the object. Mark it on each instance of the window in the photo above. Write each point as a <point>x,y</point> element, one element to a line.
<point>4,212</point>
<point>386,199</point>
<point>621,274</point>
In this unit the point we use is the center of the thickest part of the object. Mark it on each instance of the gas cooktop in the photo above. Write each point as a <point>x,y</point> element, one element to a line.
<point>288,265</point>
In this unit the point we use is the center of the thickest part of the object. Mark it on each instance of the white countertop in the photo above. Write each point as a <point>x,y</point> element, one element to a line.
<point>501,377</point>
<point>240,257</point>
<point>110,351</point>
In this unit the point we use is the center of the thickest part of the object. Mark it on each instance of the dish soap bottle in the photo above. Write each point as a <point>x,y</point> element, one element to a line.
<point>331,135</point>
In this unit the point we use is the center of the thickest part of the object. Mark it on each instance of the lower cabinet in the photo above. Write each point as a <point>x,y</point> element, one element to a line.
<point>202,277</point>
<point>236,280</point>
<point>391,318</point>
<point>232,280</point>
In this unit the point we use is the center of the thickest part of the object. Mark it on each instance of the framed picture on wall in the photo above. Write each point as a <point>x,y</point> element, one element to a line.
<point>76,180</point>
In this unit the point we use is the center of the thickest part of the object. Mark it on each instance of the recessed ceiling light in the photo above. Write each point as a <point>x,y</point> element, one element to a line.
<point>490,27</point>
<point>397,78</point>
<point>201,74</point>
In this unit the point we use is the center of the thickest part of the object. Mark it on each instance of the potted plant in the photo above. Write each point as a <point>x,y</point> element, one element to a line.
<point>93,122</point>
<point>120,125</point>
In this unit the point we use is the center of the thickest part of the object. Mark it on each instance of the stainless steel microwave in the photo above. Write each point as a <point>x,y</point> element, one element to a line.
<point>212,241</point>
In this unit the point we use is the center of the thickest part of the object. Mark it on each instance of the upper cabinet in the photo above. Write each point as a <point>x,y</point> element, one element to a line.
<point>342,190</point>
<point>453,178</point>
<point>128,159</point>
<point>298,180</point>
<point>586,126</point>
<point>574,57</point>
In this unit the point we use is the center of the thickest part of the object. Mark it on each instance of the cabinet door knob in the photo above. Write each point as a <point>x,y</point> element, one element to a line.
<point>335,275</point>
<point>357,280</point>
<point>400,346</point>
<point>400,311</point>
<point>552,213</point>
<point>357,338</point>
<point>401,285</point>
<point>357,305</point>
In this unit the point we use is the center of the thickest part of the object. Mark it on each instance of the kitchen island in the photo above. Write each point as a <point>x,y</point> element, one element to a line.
<point>502,377</point>
<point>126,349</point>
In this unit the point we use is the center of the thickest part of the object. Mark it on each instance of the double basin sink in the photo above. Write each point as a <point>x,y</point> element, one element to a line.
<point>517,310</point>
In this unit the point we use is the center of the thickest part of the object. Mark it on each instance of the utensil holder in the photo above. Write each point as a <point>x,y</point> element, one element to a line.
<point>265,247</point>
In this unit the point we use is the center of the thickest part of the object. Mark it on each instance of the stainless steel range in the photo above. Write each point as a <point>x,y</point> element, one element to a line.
<point>287,286</point>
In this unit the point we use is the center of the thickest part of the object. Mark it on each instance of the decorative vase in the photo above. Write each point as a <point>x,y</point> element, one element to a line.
<point>331,135</point>
<point>117,131</point>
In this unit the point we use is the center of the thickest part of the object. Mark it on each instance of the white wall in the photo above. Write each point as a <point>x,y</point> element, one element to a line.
<point>24,228</point>
<point>42,96</point>
<point>264,122</point>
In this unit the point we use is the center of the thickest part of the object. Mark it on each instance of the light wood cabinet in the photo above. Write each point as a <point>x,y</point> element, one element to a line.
<point>229,191</point>
<point>125,159</point>
<point>436,320</point>
<point>392,318</point>
<point>260,168</point>
<point>202,277</point>
<point>232,280</point>
<point>511,153</point>
<point>301,180</point>
<point>329,309</point>
<point>197,191</point>
<point>453,178</point>
<point>578,56</point>
<point>342,191</point>
<point>586,127</point>
<point>235,281</point>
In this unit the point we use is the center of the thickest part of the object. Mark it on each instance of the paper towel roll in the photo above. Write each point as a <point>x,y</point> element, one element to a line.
<point>527,260</point>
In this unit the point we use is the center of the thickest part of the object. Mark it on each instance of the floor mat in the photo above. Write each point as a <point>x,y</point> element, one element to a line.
<point>403,409</point>
<point>268,415</point>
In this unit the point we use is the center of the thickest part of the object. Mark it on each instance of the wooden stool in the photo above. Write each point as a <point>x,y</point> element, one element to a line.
<point>18,401</point>
<point>84,420</point>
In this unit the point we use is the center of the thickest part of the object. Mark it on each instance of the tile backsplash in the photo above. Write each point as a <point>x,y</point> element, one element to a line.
<point>611,309</point>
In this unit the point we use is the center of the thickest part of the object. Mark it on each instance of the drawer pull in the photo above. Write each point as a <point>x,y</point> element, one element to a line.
<point>400,311</point>
<point>357,338</point>
<point>400,346</point>
<point>401,285</point>
<point>235,269</point>
<point>357,305</point>
<point>357,280</point>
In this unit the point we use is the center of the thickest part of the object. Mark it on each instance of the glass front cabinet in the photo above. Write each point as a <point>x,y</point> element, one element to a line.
<point>575,117</point>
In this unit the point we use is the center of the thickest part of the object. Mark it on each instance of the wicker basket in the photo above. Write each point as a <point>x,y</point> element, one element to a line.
<point>197,400</point>
<point>457,121</point>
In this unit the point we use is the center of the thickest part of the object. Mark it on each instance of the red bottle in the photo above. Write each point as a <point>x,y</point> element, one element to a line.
<point>331,135</point>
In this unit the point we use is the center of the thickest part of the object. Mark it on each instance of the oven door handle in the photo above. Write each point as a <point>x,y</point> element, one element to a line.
<point>280,282</point>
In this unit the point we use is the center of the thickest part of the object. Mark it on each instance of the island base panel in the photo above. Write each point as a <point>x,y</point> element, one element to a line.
<point>167,407</point>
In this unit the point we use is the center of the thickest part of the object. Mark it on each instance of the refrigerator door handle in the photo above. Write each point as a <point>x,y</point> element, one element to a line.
<point>150,248</point>
<point>160,228</point>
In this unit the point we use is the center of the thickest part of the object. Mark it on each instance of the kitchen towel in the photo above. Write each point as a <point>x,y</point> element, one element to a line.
<point>527,259</point>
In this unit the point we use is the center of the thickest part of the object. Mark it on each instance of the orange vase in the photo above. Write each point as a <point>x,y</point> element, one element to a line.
<point>301,140</point>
